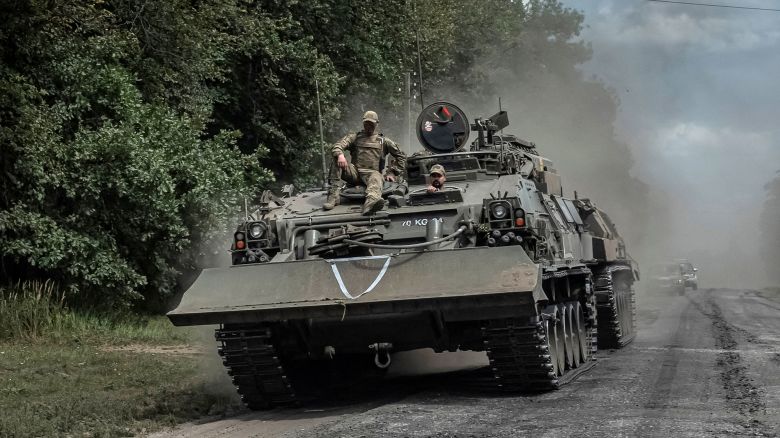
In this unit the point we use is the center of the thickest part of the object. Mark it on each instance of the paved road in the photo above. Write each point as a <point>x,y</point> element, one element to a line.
<point>704,364</point>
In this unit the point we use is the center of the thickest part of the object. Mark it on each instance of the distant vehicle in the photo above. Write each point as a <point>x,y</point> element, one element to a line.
<point>674,276</point>
<point>667,277</point>
<point>689,274</point>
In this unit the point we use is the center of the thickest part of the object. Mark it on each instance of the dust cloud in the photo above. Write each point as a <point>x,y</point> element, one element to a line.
<point>698,109</point>
<point>663,212</point>
<point>214,377</point>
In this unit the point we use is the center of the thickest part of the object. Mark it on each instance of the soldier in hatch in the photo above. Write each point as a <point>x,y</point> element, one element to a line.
<point>438,178</point>
<point>366,149</point>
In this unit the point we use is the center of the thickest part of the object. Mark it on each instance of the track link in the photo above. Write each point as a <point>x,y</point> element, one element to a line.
<point>255,367</point>
<point>616,309</point>
<point>520,357</point>
<point>519,352</point>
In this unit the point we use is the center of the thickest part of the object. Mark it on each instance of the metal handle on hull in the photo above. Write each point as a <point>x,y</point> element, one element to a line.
<point>411,245</point>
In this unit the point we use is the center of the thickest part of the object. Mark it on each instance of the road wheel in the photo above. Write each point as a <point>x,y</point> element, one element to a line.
<point>585,341</point>
<point>568,344</point>
<point>576,333</point>
<point>554,332</point>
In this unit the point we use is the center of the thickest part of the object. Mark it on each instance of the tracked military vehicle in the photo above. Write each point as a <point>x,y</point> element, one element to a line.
<point>497,260</point>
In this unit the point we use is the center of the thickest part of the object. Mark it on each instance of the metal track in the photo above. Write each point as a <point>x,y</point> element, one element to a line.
<point>255,367</point>
<point>591,316</point>
<point>519,353</point>
<point>616,310</point>
<point>520,358</point>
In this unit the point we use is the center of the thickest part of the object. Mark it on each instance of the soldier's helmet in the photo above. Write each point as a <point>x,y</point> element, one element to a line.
<point>370,116</point>
<point>437,168</point>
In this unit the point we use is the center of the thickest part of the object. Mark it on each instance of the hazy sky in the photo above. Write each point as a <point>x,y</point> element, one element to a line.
<point>699,89</point>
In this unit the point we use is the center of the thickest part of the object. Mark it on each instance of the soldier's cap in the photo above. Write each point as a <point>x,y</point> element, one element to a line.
<point>370,116</point>
<point>437,168</point>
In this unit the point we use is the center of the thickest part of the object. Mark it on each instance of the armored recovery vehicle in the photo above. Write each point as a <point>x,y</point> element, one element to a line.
<point>498,260</point>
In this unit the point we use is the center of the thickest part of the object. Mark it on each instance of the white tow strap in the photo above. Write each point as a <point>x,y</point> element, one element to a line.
<point>340,281</point>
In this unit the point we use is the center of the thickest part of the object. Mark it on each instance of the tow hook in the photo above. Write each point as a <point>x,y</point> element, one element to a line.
<point>381,349</point>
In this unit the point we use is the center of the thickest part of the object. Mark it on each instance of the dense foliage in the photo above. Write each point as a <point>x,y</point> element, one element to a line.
<point>107,179</point>
<point>131,129</point>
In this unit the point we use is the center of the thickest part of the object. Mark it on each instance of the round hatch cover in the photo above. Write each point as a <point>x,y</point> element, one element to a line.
<point>442,127</point>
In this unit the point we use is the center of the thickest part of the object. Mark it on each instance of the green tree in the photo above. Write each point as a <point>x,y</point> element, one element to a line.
<point>106,185</point>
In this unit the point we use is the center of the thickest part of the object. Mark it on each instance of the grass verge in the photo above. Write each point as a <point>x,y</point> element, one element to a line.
<point>62,375</point>
<point>37,312</point>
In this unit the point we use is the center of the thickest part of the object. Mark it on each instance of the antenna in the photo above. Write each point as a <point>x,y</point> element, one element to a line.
<point>408,113</point>
<point>419,59</point>
<point>500,110</point>
<point>322,139</point>
<point>419,69</point>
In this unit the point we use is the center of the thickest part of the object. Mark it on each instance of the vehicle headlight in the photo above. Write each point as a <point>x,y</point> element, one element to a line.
<point>499,211</point>
<point>257,230</point>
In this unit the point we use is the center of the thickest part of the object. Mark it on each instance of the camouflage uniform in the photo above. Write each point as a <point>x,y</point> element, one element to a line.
<point>366,152</point>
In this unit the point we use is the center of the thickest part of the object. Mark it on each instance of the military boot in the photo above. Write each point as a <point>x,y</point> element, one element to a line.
<point>372,205</point>
<point>334,197</point>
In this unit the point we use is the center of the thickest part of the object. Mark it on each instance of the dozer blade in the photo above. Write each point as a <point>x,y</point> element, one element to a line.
<point>461,280</point>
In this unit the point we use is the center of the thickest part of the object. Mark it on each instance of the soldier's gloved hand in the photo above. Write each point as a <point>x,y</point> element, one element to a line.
<point>432,189</point>
<point>342,161</point>
<point>390,177</point>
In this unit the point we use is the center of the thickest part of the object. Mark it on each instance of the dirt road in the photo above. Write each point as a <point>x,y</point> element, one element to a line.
<point>704,364</point>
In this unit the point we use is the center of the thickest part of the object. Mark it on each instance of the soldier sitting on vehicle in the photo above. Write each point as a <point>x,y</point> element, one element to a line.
<point>366,149</point>
<point>438,178</point>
